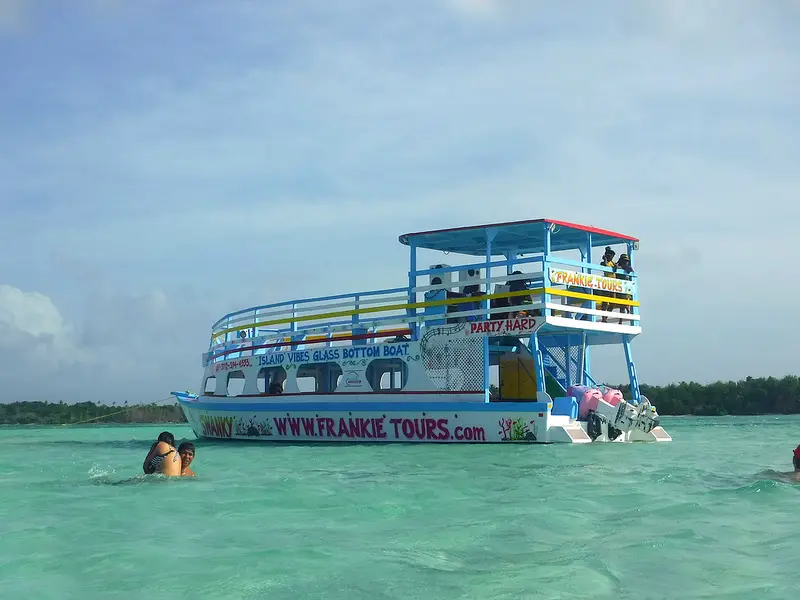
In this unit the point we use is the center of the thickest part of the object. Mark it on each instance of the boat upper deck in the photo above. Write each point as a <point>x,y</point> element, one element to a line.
<point>542,269</point>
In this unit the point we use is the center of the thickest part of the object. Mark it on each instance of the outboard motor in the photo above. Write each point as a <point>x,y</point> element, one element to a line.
<point>623,418</point>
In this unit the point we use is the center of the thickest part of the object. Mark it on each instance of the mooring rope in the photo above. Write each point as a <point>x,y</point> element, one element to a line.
<point>111,414</point>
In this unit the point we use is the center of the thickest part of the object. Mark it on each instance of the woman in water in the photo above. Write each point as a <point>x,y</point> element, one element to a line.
<point>163,457</point>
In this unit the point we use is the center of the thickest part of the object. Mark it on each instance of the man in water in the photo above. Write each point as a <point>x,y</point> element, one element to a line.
<point>186,450</point>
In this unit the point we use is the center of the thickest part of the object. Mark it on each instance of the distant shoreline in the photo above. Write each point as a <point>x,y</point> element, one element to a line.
<point>750,397</point>
<point>89,413</point>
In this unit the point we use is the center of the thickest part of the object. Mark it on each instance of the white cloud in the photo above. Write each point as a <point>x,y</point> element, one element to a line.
<point>31,313</point>
<point>35,343</point>
<point>33,331</point>
<point>125,348</point>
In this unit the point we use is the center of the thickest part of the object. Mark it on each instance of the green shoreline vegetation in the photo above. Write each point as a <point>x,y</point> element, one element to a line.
<point>60,413</point>
<point>751,396</point>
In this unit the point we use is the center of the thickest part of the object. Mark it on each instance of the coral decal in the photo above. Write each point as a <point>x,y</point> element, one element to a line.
<point>253,427</point>
<point>517,430</point>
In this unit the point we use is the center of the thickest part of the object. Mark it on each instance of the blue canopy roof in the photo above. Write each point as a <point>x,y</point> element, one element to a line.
<point>521,237</point>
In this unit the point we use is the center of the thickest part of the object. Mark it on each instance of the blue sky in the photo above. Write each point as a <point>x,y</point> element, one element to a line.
<point>162,164</point>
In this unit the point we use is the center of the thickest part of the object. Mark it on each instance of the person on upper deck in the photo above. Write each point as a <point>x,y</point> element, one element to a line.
<point>606,261</point>
<point>519,285</point>
<point>622,270</point>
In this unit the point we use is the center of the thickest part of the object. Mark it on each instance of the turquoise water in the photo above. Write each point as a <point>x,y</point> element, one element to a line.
<point>697,518</point>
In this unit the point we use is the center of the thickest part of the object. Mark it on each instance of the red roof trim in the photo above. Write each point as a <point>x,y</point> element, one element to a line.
<point>587,228</point>
<point>591,229</point>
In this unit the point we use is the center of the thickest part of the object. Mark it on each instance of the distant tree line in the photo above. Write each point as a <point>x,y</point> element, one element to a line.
<point>48,413</point>
<point>752,396</point>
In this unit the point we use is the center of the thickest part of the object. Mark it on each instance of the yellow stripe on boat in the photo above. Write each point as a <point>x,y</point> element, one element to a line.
<point>582,296</point>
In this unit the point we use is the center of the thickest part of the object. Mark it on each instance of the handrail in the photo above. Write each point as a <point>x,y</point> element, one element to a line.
<point>415,305</point>
<point>307,300</point>
<point>312,308</point>
<point>246,313</point>
<point>483,280</point>
<point>333,333</point>
<point>392,320</point>
<point>480,265</point>
<point>375,309</point>
<point>584,265</point>
<point>286,334</point>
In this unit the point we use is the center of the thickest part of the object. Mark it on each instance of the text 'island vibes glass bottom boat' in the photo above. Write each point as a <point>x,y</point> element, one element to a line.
<point>415,363</point>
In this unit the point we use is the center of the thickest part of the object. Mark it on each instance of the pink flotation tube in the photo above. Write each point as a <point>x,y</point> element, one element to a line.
<point>587,399</point>
<point>613,397</point>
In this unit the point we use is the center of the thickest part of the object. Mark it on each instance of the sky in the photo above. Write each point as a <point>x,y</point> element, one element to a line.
<point>163,164</point>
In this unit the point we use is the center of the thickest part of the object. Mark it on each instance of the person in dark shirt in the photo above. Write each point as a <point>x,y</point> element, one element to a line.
<point>607,261</point>
<point>519,285</point>
<point>623,270</point>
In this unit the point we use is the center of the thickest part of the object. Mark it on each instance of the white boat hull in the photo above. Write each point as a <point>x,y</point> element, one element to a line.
<point>420,421</point>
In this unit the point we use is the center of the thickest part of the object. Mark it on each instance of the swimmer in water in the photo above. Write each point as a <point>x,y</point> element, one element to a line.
<point>163,457</point>
<point>793,476</point>
<point>796,463</point>
<point>186,451</point>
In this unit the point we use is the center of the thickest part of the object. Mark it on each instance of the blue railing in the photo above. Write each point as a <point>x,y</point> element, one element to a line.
<point>308,301</point>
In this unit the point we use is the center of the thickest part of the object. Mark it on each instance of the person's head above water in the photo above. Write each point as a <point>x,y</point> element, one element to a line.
<point>796,459</point>
<point>186,450</point>
<point>167,438</point>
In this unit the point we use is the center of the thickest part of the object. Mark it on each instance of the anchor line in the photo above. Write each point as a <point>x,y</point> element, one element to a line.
<point>111,414</point>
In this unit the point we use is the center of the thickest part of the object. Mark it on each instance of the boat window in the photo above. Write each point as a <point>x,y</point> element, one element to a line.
<point>318,377</point>
<point>387,374</point>
<point>211,385</point>
<point>235,383</point>
<point>271,380</point>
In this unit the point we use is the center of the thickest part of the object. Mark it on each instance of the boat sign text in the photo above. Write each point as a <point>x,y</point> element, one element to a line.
<point>518,326</point>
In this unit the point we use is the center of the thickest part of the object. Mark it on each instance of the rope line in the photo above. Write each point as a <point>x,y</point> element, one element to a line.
<point>111,414</point>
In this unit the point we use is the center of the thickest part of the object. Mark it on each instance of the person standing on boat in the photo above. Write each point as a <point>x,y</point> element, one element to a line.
<point>607,261</point>
<point>624,265</point>
<point>163,457</point>
<point>518,285</point>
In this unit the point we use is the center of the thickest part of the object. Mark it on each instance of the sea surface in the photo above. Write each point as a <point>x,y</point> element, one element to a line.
<point>706,516</point>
